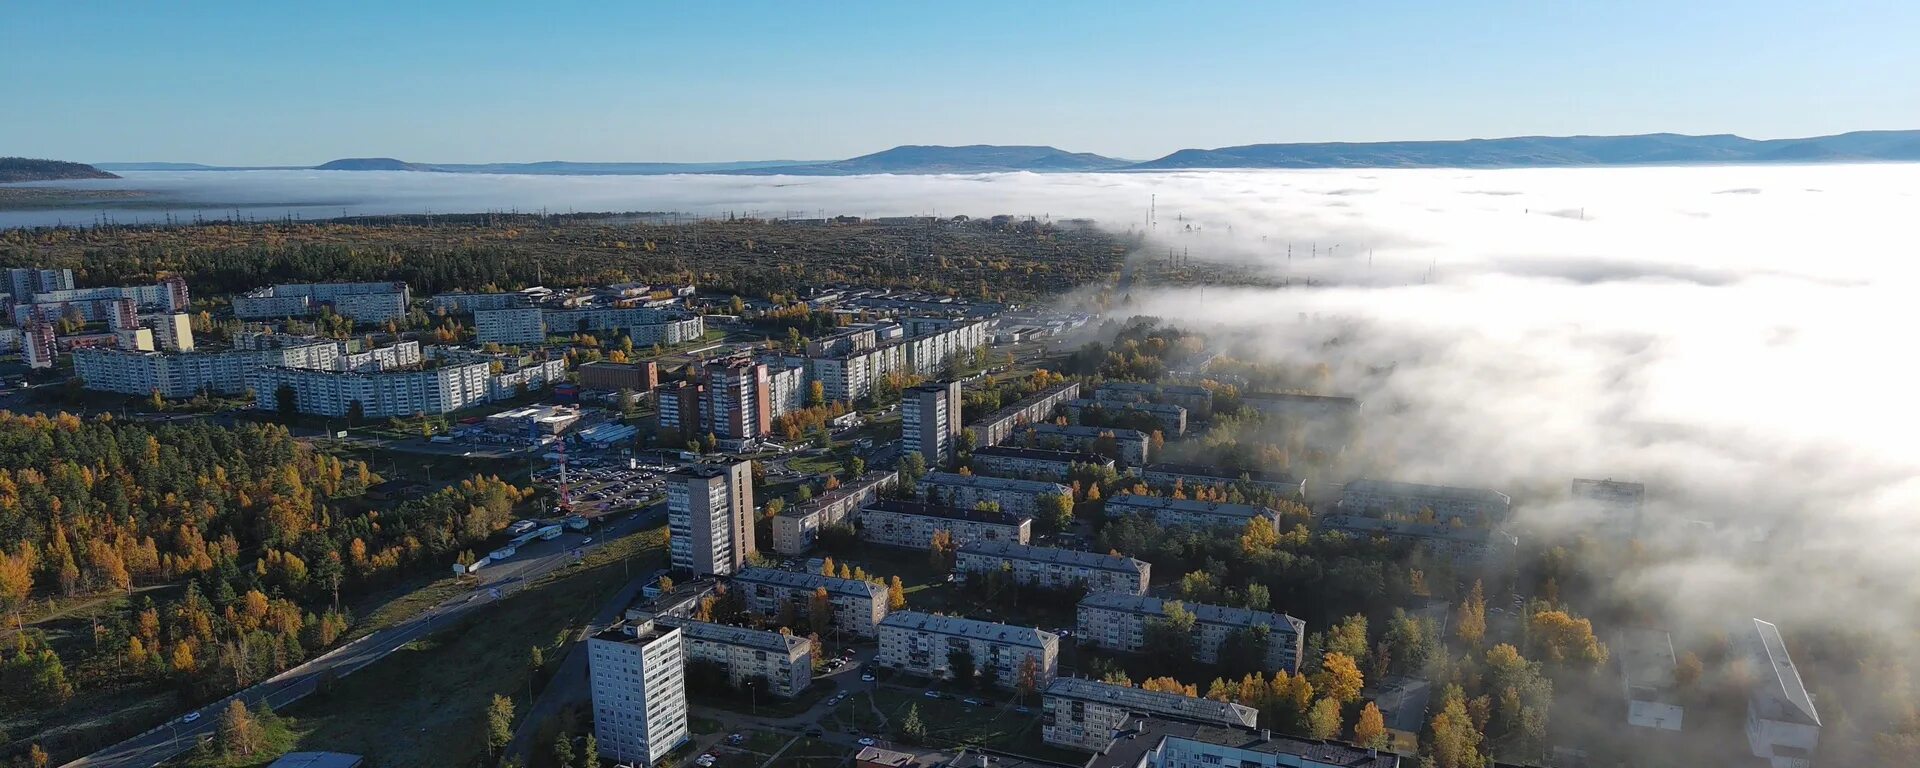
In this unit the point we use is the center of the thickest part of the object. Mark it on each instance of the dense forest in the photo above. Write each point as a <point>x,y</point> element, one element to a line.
<point>233,549</point>
<point>978,258</point>
<point>14,169</point>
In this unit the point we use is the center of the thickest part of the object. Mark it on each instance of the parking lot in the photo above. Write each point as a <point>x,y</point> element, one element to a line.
<point>602,486</point>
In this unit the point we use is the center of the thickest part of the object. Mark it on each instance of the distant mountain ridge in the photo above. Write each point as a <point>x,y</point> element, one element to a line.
<point>1553,151</point>
<point>1512,152</point>
<point>14,169</point>
<point>974,158</point>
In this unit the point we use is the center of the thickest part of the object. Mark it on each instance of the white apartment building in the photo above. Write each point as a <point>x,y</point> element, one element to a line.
<point>381,394</point>
<point>1118,622</point>
<point>849,372</point>
<point>185,374</point>
<point>96,304</point>
<point>786,387</point>
<point>1385,498</point>
<point>1783,727</point>
<point>1033,463</point>
<point>930,421</point>
<point>1084,714</point>
<point>784,661</point>
<point>1172,418</point>
<point>1021,497</point>
<point>533,376</point>
<point>923,644</point>
<point>636,673</point>
<point>1170,513</point>
<point>858,606</point>
<point>910,524</point>
<point>1038,407</point>
<point>1610,505</point>
<point>25,283</point>
<point>523,325</point>
<point>796,528</point>
<point>1053,567</point>
<point>1132,444</point>
<point>710,518</point>
<point>667,331</point>
<point>364,302</point>
<point>468,303</point>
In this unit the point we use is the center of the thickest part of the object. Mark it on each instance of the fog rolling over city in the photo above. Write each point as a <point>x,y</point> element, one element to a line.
<point>1728,336</point>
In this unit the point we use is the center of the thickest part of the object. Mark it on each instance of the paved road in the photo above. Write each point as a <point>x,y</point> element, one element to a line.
<point>534,560</point>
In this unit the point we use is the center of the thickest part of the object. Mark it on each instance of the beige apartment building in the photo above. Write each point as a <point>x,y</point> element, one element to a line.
<point>911,524</point>
<point>1053,567</point>
<point>858,606</point>
<point>924,644</point>
<point>1118,622</point>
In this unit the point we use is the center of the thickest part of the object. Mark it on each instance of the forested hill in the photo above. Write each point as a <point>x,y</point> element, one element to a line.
<point>27,169</point>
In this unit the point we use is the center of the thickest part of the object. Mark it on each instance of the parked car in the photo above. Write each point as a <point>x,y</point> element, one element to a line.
<point>191,716</point>
<point>931,694</point>
<point>867,741</point>
<point>970,702</point>
<point>866,677</point>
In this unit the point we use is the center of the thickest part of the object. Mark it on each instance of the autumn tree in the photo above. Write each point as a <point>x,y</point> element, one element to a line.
<point>1471,625</point>
<point>239,733</point>
<point>896,595</point>
<point>1455,742</point>
<point>820,610</point>
<point>1339,678</point>
<point>499,724</point>
<point>1559,637</point>
<point>1323,721</point>
<point>1349,637</point>
<point>1371,729</point>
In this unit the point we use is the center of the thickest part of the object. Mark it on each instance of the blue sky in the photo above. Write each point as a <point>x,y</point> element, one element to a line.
<point>286,83</point>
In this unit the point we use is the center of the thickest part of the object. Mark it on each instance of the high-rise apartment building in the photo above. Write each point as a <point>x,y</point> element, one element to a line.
<point>637,674</point>
<point>710,517</point>
<point>737,406</point>
<point>930,421</point>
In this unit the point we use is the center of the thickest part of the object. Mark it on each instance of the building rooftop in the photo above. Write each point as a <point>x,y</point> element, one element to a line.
<point>1128,502</point>
<point>633,632</point>
<point>947,513</point>
<point>886,757</point>
<point>1443,531</point>
<point>704,471</point>
<point>1145,734</point>
<point>1202,612</point>
<point>1780,695</point>
<point>1029,401</point>
<point>792,580</point>
<point>1083,431</point>
<point>1154,702</point>
<point>860,485</point>
<point>1055,555</point>
<point>1168,408</point>
<point>969,628</point>
<point>1226,474</point>
<point>1647,660</point>
<point>1041,454</point>
<point>995,483</point>
<point>1424,491</point>
<point>741,636</point>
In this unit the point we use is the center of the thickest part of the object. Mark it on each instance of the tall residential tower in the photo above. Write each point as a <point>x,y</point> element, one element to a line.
<point>710,517</point>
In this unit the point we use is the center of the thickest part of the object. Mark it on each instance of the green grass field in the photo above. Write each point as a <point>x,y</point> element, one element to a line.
<point>439,687</point>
